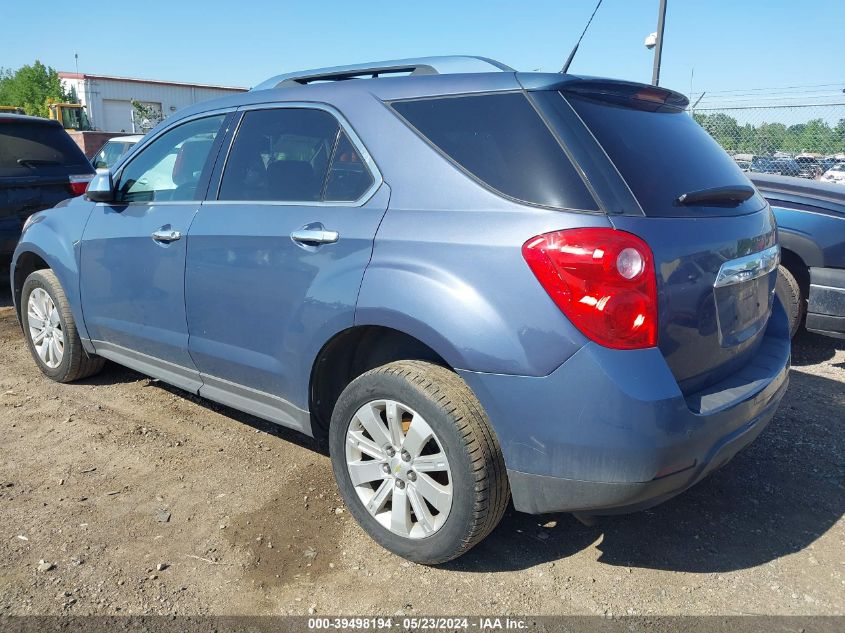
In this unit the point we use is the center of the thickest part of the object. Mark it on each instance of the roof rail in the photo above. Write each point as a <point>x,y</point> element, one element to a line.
<point>447,64</point>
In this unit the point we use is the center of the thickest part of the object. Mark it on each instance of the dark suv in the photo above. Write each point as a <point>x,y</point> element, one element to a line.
<point>40,165</point>
<point>471,283</point>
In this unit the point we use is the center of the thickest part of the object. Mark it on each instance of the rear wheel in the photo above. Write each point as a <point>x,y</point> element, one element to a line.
<point>51,331</point>
<point>417,462</point>
<point>789,292</point>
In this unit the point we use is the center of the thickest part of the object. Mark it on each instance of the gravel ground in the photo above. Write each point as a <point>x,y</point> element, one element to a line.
<point>121,495</point>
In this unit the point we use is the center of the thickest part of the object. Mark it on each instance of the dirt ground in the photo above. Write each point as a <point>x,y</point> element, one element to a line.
<point>120,495</point>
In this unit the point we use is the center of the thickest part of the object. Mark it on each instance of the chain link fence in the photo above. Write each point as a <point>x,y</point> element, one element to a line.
<point>807,141</point>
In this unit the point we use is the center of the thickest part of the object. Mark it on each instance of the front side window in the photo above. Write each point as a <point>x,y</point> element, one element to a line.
<point>171,167</point>
<point>293,155</point>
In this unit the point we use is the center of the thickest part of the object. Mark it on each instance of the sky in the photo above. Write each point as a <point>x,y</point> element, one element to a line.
<point>733,46</point>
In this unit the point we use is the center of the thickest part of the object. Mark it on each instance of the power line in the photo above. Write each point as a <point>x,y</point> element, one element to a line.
<point>842,84</point>
<point>771,107</point>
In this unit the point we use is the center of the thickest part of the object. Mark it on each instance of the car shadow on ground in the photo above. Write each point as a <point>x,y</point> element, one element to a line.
<point>810,349</point>
<point>775,498</point>
<point>114,374</point>
<point>5,293</point>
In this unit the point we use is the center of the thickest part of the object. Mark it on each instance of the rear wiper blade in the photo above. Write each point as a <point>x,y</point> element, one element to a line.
<point>32,162</point>
<point>716,195</point>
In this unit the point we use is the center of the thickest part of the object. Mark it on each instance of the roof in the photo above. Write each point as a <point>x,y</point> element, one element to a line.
<point>25,118</point>
<point>66,75</point>
<point>129,138</point>
<point>436,65</point>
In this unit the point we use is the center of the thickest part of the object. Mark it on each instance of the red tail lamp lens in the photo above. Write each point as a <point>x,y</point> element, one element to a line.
<point>603,280</point>
<point>78,184</point>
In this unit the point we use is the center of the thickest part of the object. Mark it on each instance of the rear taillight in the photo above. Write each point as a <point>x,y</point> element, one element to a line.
<point>603,280</point>
<point>78,184</point>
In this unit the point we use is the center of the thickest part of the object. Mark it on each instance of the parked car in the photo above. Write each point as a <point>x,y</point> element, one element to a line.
<point>811,277</point>
<point>835,175</point>
<point>764,165</point>
<point>113,150</point>
<point>39,166</point>
<point>808,167</point>
<point>775,165</point>
<point>791,167</point>
<point>466,281</point>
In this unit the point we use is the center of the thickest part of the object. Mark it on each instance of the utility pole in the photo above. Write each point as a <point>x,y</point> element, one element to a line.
<point>658,47</point>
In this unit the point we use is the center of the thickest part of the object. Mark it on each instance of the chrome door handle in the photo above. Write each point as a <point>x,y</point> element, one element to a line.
<point>166,235</point>
<point>315,236</point>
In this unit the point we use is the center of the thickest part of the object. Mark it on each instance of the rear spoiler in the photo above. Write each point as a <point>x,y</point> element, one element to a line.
<point>617,91</point>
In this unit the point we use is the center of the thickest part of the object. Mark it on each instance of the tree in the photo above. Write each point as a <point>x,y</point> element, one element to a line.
<point>769,138</point>
<point>32,88</point>
<point>839,135</point>
<point>816,135</point>
<point>145,116</point>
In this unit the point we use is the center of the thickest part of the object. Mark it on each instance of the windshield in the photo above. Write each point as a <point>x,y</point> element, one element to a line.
<point>662,155</point>
<point>109,154</point>
<point>39,149</point>
<point>74,119</point>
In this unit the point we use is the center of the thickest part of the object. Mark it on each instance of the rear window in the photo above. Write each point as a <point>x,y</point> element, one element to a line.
<point>662,154</point>
<point>500,140</point>
<point>28,149</point>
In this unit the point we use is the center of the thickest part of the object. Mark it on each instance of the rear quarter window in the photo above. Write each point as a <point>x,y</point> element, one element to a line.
<point>500,140</point>
<point>28,149</point>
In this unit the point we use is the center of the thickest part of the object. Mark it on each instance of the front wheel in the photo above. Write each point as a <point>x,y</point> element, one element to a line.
<point>789,292</point>
<point>416,461</point>
<point>51,331</point>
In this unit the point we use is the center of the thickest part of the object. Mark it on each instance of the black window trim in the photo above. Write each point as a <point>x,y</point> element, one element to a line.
<point>212,198</point>
<point>598,211</point>
<point>205,178</point>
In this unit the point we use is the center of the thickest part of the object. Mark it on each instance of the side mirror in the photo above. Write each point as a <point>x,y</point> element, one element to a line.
<point>101,187</point>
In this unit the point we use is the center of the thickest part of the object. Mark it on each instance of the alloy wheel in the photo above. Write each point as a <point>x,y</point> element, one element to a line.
<point>399,468</point>
<point>45,328</point>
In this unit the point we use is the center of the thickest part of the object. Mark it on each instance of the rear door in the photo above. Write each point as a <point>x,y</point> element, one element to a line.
<point>713,236</point>
<point>276,260</point>
<point>38,163</point>
<point>133,253</point>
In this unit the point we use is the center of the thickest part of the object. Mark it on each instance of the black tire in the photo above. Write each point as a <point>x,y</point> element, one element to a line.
<point>789,292</point>
<point>76,363</point>
<point>479,479</point>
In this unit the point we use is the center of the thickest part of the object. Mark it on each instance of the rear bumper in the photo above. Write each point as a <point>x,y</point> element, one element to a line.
<point>610,431</point>
<point>826,307</point>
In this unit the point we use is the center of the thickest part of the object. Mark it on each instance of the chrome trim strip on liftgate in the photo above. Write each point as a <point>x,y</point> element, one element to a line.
<point>749,267</point>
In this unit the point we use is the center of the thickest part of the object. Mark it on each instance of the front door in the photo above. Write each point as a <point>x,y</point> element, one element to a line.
<point>276,261</point>
<point>133,254</point>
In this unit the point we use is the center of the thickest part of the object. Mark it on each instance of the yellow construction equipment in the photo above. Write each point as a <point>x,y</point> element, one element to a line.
<point>72,116</point>
<point>11,110</point>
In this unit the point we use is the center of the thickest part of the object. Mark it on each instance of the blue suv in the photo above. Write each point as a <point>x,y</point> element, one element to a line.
<point>472,284</point>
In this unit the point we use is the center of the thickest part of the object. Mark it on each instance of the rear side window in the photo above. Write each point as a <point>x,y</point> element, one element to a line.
<point>661,154</point>
<point>28,149</point>
<point>501,140</point>
<point>348,176</point>
<point>293,155</point>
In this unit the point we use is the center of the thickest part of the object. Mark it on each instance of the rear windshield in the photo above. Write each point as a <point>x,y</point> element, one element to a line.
<point>28,149</point>
<point>501,140</point>
<point>662,154</point>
